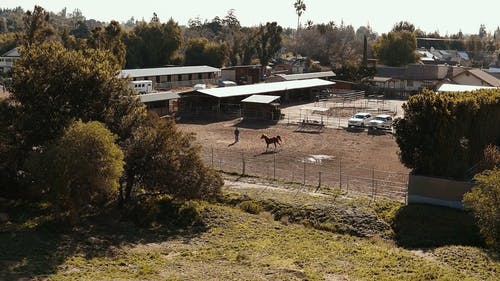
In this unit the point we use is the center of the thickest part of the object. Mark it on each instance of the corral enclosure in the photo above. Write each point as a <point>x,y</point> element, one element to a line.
<point>352,161</point>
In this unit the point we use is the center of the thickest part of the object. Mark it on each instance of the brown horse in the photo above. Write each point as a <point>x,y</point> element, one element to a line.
<point>274,140</point>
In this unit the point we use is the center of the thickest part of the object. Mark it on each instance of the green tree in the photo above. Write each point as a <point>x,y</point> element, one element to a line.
<point>200,51</point>
<point>85,167</point>
<point>153,44</point>
<point>161,158</point>
<point>396,48</point>
<point>484,201</point>
<point>37,26</point>
<point>403,25</point>
<point>110,39</point>
<point>53,86</point>
<point>300,8</point>
<point>269,41</point>
<point>444,135</point>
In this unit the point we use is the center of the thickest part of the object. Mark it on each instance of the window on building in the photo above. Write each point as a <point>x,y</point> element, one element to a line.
<point>169,78</point>
<point>409,83</point>
<point>179,77</point>
<point>190,77</point>
<point>157,79</point>
<point>200,76</point>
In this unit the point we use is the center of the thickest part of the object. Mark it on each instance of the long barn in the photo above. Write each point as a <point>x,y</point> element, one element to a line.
<point>226,101</point>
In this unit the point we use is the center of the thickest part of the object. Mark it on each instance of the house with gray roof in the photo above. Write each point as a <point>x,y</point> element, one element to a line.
<point>7,60</point>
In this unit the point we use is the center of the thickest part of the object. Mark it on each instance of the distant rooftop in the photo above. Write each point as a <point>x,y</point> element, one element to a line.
<point>302,76</point>
<point>461,88</point>
<point>12,53</point>
<point>484,76</point>
<point>162,71</point>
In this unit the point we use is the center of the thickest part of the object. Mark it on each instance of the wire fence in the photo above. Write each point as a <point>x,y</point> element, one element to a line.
<point>334,112</point>
<point>320,171</point>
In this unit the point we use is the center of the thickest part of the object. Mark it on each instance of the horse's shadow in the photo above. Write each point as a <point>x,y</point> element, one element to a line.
<point>267,152</point>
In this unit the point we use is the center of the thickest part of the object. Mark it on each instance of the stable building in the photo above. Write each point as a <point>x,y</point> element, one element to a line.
<point>165,78</point>
<point>226,102</point>
<point>162,103</point>
<point>261,107</point>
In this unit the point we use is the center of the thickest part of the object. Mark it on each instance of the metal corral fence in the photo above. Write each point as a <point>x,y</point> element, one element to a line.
<point>335,111</point>
<point>321,171</point>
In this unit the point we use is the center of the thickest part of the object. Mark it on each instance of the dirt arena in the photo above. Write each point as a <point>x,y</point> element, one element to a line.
<point>367,161</point>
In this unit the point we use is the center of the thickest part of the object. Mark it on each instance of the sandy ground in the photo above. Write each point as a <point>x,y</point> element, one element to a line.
<point>326,158</point>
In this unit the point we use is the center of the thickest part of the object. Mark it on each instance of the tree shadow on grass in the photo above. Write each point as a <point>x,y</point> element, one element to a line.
<point>426,226</point>
<point>33,245</point>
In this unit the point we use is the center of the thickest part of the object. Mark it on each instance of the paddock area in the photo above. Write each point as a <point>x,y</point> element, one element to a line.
<point>352,161</point>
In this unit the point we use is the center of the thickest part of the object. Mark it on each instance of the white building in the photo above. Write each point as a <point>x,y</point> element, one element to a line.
<point>7,60</point>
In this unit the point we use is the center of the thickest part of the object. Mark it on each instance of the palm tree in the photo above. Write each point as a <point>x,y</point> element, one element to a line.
<point>300,7</point>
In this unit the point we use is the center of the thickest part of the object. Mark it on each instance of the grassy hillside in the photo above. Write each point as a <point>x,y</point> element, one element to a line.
<point>235,245</point>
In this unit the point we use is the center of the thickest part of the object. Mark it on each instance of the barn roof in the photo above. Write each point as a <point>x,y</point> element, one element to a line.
<point>261,99</point>
<point>162,71</point>
<point>160,96</point>
<point>253,89</point>
<point>301,76</point>
<point>461,88</point>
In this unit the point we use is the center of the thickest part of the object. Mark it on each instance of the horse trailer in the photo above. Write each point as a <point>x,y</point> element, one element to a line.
<point>142,86</point>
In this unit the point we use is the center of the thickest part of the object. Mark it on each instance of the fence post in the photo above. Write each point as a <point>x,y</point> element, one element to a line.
<point>304,171</point>
<point>340,173</point>
<point>347,190</point>
<point>319,181</point>
<point>212,153</point>
<point>274,166</point>
<point>373,182</point>
<point>243,162</point>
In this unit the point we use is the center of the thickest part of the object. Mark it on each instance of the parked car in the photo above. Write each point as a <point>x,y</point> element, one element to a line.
<point>360,119</point>
<point>382,121</point>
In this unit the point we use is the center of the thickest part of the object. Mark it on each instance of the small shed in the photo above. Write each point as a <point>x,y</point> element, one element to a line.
<point>163,103</point>
<point>261,107</point>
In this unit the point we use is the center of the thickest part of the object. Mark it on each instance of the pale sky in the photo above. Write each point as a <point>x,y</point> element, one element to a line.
<point>444,16</point>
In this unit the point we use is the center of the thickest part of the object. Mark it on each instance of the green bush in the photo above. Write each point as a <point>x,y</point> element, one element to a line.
<point>164,210</point>
<point>251,207</point>
<point>189,215</point>
<point>444,135</point>
<point>484,201</point>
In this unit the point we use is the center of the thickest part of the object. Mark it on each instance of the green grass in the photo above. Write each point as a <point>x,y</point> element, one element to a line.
<point>235,245</point>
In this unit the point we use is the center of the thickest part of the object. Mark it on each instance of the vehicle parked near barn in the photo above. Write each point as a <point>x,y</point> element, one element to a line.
<point>360,119</point>
<point>383,121</point>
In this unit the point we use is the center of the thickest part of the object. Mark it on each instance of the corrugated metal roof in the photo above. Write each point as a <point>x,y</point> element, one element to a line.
<point>261,99</point>
<point>461,88</point>
<point>162,71</point>
<point>253,89</point>
<point>311,75</point>
<point>160,96</point>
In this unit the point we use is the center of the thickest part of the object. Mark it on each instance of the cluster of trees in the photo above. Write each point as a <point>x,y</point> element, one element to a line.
<point>456,135</point>
<point>223,41</point>
<point>152,44</point>
<point>74,133</point>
